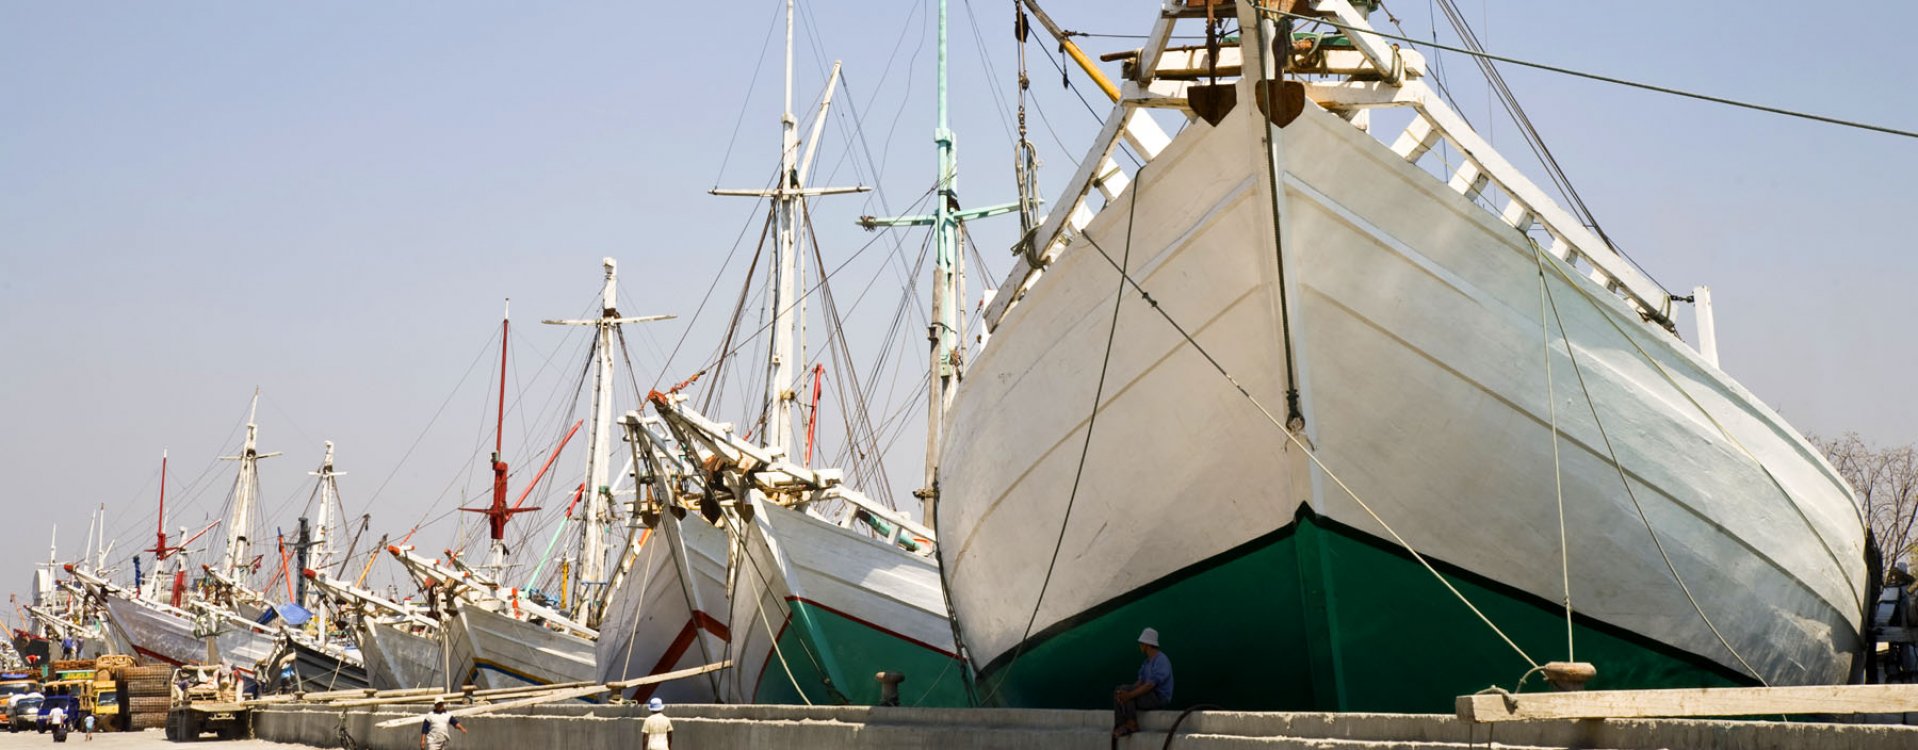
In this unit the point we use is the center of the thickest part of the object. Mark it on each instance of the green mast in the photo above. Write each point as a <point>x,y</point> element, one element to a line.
<point>948,224</point>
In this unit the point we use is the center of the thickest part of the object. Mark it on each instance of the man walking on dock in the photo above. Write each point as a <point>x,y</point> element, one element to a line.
<point>658,729</point>
<point>1153,689</point>
<point>438,728</point>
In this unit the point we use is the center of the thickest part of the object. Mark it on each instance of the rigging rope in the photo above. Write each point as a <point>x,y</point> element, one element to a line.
<point>1558,472</point>
<point>1614,80</point>
<point>1085,447</point>
<point>1605,436</point>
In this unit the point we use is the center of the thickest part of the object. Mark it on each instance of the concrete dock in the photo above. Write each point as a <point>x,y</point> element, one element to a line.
<point>616,727</point>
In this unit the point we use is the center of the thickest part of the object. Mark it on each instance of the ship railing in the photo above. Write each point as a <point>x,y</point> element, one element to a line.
<point>1372,74</point>
<point>772,475</point>
<point>510,601</point>
<point>343,592</point>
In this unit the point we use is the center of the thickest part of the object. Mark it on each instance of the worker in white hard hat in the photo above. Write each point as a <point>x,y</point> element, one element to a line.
<point>1153,690</point>
<point>437,729</point>
<point>657,728</point>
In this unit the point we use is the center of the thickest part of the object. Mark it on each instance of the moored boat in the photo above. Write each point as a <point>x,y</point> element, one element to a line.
<point>1329,447</point>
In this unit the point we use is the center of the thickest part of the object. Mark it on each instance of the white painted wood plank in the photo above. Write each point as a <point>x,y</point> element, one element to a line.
<point>1633,704</point>
<point>1419,137</point>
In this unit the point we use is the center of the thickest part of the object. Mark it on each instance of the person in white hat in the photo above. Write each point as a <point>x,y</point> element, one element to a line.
<point>1153,690</point>
<point>658,729</point>
<point>436,730</point>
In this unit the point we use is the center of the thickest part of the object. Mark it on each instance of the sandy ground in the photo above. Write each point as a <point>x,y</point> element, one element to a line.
<point>151,739</point>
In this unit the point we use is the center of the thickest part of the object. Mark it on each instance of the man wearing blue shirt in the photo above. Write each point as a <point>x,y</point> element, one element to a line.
<point>1153,690</point>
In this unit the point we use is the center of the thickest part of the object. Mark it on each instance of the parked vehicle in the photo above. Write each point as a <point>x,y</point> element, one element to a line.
<point>210,701</point>
<point>14,684</point>
<point>66,703</point>
<point>23,711</point>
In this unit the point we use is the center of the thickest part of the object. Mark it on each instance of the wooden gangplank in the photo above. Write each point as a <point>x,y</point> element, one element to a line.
<point>1695,702</point>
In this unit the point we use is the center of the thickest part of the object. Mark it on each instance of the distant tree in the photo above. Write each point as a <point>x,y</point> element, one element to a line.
<point>1886,480</point>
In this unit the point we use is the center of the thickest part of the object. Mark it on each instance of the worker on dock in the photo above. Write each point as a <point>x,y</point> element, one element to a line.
<point>1153,690</point>
<point>658,729</point>
<point>438,728</point>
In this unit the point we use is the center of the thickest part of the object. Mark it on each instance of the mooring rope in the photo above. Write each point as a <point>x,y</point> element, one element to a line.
<point>1729,437</point>
<point>1558,471</point>
<point>1606,437</point>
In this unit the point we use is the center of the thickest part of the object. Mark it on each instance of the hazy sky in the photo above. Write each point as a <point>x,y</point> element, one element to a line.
<point>331,201</point>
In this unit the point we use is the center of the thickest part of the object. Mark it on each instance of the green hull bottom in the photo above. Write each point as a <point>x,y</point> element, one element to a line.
<point>1321,617</point>
<point>833,658</point>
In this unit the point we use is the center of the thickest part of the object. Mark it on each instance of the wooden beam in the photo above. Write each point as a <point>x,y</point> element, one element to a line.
<point>429,695</point>
<point>1698,702</point>
<point>569,694</point>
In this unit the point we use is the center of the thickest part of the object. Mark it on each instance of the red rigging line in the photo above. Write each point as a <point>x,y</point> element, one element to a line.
<point>499,512</point>
<point>548,465</point>
<point>812,414</point>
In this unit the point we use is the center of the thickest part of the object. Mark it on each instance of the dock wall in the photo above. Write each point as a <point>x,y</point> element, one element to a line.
<point>616,727</point>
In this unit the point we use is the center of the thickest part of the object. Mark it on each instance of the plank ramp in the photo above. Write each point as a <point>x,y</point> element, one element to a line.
<point>1698,702</point>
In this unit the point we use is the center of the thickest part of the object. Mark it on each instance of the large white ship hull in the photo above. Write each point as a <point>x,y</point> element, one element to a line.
<point>1416,319</point>
<point>167,635</point>
<point>396,659</point>
<point>491,650</point>
<point>670,613</point>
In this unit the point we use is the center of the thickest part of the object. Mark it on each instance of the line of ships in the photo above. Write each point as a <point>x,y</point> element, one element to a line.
<point>1334,373</point>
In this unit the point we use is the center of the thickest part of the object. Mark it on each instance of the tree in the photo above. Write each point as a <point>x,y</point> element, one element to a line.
<point>1886,483</point>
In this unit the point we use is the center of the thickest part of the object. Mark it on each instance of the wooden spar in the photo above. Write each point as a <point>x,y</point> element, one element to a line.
<point>1072,50</point>
<point>521,500</point>
<point>419,695</point>
<point>570,694</point>
<point>1699,702</point>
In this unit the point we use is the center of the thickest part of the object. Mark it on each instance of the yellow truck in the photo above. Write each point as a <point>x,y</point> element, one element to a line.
<point>108,700</point>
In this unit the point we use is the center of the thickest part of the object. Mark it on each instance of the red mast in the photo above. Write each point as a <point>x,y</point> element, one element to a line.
<point>498,513</point>
<point>160,549</point>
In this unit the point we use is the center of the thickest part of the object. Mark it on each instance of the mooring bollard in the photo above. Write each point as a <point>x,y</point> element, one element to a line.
<point>889,687</point>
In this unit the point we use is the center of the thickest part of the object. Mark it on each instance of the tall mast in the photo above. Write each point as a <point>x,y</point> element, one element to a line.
<point>948,225</point>
<point>43,585</point>
<point>93,520</point>
<point>596,510</point>
<point>784,307</point>
<point>497,514</point>
<point>246,487</point>
<point>781,386</point>
<point>103,547</point>
<point>320,551</point>
<point>161,551</point>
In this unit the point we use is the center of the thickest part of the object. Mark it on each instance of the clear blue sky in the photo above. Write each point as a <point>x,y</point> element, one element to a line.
<point>329,201</point>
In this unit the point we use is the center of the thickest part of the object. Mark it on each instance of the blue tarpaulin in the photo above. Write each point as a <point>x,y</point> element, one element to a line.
<point>293,614</point>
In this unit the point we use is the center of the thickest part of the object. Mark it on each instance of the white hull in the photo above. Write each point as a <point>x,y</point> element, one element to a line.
<point>491,650</point>
<point>792,562</point>
<point>396,659</point>
<point>167,635</point>
<point>1416,316</point>
<point>670,613</point>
